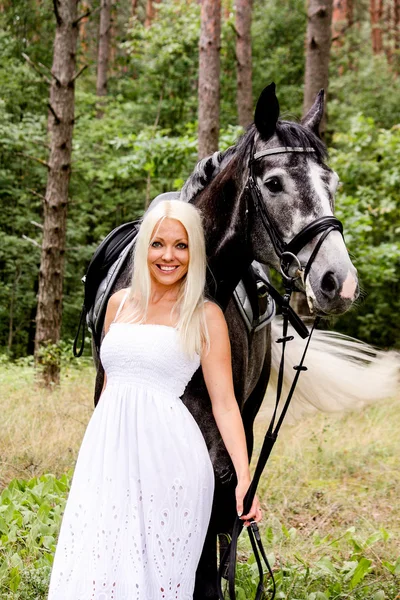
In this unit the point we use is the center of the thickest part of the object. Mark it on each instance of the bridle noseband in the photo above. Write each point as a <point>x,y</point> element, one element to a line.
<point>288,251</point>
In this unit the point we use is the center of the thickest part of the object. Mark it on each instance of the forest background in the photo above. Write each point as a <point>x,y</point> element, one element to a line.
<point>143,139</point>
<point>330,492</point>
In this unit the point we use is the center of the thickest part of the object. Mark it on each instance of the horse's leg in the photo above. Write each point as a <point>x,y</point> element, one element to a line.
<point>222,519</point>
<point>205,589</point>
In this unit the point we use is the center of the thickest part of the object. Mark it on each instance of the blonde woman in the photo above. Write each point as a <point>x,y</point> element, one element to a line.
<point>141,496</point>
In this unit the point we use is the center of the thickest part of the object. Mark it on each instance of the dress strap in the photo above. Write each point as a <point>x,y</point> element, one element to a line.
<point>120,307</point>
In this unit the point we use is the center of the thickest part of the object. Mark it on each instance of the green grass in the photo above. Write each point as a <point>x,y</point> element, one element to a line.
<point>330,494</point>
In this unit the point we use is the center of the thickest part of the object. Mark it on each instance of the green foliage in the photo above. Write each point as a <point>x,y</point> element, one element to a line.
<point>30,25</point>
<point>348,567</point>
<point>362,82</point>
<point>22,132</point>
<point>146,143</point>
<point>368,203</point>
<point>163,66</point>
<point>30,519</point>
<point>278,34</point>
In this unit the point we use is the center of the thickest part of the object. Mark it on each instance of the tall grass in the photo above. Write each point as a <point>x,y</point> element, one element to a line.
<point>330,494</point>
<point>41,431</point>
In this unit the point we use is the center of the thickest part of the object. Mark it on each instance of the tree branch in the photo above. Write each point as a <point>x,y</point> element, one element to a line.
<point>38,160</point>
<point>36,194</point>
<point>57,13</point>
<point>232,26</point>
<point>50,71</point>
<point>78,74</point>
<point>86,14</point>
<point>32,64</point>
<point>28,239</point>
<point>37,224</point>
<point>53,112</point>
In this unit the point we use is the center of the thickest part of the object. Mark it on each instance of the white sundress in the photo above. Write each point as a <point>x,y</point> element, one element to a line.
<point>141,495</point>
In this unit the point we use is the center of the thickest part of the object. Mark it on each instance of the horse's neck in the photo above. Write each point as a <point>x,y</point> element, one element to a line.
<point>225,219</point>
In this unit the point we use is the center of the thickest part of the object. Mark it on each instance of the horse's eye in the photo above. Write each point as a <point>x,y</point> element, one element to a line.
<point>274,185</point>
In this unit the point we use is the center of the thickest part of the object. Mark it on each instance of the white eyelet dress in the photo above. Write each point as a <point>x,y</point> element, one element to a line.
<point>141,495</point>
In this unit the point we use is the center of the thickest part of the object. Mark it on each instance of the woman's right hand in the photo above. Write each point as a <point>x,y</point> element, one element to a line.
<point>255,513</point>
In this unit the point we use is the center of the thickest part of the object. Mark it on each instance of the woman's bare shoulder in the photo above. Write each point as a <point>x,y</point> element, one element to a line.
<point>114,301</point>
<point>113,304</point>
<point>117,296</point>
<point>213,312</point>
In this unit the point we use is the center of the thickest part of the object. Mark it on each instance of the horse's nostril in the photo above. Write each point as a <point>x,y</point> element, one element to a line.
<point>329,285</point>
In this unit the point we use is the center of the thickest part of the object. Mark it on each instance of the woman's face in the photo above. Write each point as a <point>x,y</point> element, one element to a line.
<point>168,255</point>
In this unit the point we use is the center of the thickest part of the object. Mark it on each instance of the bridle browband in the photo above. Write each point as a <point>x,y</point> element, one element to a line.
<point>281,150</point>
<point>287,253</point>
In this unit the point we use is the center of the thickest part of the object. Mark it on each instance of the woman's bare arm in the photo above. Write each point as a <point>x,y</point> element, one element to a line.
<point>217,371</point>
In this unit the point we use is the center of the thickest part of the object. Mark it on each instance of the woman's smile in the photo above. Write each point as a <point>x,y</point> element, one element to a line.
<point>167,268</point>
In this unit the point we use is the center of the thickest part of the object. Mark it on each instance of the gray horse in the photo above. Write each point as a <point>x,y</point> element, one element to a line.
<point>296,187</point>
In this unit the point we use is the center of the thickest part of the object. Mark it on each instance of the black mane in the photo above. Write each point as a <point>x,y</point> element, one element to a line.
<point>290,134</point>
<point>294,134</point>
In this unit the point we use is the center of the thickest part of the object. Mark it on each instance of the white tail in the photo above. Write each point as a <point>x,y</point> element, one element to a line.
<point>343,373</point>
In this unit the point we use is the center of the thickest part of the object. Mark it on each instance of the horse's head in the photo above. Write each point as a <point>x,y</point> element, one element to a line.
<point>292,192</point>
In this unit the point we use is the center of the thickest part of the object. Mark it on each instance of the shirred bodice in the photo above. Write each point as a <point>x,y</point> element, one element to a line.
<point>147,355</point>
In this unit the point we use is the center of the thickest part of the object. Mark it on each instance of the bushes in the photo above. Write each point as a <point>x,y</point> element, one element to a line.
<point>366,159</point>
<point>30,518</point>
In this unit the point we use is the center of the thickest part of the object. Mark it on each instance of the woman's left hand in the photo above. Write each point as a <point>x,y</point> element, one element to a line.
<point>255,513</point>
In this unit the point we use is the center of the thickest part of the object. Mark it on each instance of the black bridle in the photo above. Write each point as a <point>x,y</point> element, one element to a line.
<point>287,253</point>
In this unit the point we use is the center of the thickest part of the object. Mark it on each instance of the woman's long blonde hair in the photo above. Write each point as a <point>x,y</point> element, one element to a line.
<point>189,306</point>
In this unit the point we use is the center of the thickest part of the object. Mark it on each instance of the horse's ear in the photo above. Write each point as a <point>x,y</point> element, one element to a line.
<point>314,116</point>
<point>267,112</point>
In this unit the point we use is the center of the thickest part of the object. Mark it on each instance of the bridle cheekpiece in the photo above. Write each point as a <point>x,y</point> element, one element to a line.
<point>288,251</point>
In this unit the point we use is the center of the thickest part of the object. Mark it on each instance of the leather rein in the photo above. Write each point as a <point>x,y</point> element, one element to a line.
<point>287,254</point>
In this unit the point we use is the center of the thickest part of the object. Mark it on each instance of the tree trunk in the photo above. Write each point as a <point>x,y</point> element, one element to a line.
<point>243,58</point>
<point>149,13</point>
<point>342,19</point>
<point>209,70</point>
<point>83,34</point>
<point>103,52</point>
<point>388,29</point>
<point>396,26</point>
<point>318,43</point>
<point>60,127</point>
<point>134,8</point>
<point>376,11</point>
